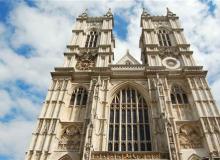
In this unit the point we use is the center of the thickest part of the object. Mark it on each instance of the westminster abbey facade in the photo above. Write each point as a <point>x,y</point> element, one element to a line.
<point>161,108</point>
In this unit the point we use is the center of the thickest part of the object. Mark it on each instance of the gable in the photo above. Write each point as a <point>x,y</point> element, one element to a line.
<point>127,59</point>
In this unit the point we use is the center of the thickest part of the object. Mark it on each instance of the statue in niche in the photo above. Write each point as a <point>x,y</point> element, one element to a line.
<point>190,137</point>
<point>70,139</point>
<point>86,61</point>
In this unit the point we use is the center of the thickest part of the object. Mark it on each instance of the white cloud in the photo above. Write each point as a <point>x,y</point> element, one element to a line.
<point>14,137</point>
<point>5,102</point>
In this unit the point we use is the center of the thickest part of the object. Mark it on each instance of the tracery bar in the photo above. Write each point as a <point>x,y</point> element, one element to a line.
<point>129,115</point>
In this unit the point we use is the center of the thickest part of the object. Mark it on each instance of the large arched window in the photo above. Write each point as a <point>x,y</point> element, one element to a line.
<point>91,40</point>
<point>129,128</point>
<point>79,97</point>
<point>178,95</point>
<point>163,37</point>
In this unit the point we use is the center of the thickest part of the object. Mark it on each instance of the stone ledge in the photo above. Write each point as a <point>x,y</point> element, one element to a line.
<point>100,155</point>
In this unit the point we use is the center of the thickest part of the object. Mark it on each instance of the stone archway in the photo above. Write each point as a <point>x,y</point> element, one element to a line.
<point>66,157</point>
<point>194,157</point>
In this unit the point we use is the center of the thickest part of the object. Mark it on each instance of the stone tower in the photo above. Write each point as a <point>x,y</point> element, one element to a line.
<point>96,110</point>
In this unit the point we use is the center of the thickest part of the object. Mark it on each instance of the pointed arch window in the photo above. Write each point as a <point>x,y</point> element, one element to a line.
<point>164,38</point>
<point>178,95</point>
<point>91,40</point>
<point>79,97</point>
<point>129,128</point>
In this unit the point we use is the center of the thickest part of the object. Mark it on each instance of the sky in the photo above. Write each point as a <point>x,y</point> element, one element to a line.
<point>34,35</point>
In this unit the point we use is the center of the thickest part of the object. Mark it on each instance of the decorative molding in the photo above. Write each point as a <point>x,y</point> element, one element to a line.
<point>127,155</point>
<point>190,136</point>
<point>86,60</point>
<point>70,139</point>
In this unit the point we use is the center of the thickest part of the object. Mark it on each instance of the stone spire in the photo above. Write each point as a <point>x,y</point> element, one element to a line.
<point>127,52</point>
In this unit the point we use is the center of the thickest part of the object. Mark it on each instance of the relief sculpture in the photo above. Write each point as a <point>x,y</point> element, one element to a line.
<point>70,139</point>
<point>86,61</point>
<point>190,137</point>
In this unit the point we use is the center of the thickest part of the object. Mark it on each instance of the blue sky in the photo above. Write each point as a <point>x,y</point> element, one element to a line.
<point>33,37</point>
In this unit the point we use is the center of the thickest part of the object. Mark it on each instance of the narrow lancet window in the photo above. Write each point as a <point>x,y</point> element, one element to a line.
<point>163,38</point>
<point>79,97</point>
<point>91,40</point>
<point>178,95</point>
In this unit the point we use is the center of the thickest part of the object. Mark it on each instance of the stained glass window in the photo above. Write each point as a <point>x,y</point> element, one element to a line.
<point>129,117</point>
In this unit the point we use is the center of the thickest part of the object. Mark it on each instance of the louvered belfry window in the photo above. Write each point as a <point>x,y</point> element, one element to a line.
<point>164,38</point>
<point>91,40</point>
<point>79,97</point>
<point>129,128</point>
<point>178,95</point>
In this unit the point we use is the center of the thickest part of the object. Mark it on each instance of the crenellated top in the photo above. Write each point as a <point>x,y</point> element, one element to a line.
<point>169,15</point>
<point>85,16</point>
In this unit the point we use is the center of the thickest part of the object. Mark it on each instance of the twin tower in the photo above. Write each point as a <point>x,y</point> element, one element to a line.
<point>97,110</point>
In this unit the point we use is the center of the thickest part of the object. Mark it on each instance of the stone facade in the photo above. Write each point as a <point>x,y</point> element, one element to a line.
<point>160,109</point>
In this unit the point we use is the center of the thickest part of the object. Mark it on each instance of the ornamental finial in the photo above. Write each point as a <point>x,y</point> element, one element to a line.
<point>169,13</point>
<point>109,13</point>
<point>127,51</point>
<point>85,13</point>
<point>144,12</point>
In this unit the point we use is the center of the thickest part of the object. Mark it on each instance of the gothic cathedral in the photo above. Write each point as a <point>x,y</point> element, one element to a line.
<point>159,109</point>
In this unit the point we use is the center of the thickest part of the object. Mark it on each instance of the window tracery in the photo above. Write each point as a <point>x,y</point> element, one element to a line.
<point>178,95</point>
<point>164,38</point>
<point>129,125</point>
<point>91,40</point>
<point>79,97</point>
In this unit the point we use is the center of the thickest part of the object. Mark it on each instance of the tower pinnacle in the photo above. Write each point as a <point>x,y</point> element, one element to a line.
<point>109,13</point>
<point>144,12</point>
<point>169,13</point>
<point>84,14</point>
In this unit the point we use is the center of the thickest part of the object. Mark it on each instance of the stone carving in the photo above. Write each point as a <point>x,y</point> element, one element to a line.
<point>66,157</point>
<point>46,127</point>
<point>95,25</point>
<point>86,60</point>
<point>194,157</point>
<point>59,85</point>
<point>171,139</point>
<point>70,139</point>
<point>129,155</point>
<point>159,126</point>
<point>171,63</point>
<point>190,137</point>
<point>84,15</point>
<point>161,24</point>
<point>168,52</point>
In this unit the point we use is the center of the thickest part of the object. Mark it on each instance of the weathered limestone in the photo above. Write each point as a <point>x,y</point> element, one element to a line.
<point>160,109</point>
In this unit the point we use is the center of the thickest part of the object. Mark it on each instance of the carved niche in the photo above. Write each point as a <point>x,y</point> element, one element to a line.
<point>86,60</point>
<point>190,136</point>
<point>70,139</point>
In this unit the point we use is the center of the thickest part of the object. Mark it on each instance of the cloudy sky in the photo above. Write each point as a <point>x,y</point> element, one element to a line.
<point>34,35</point>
